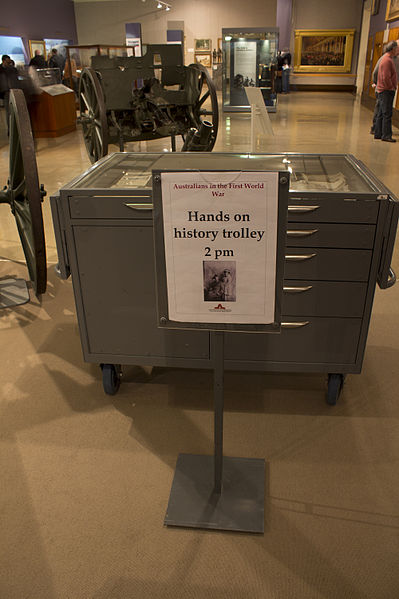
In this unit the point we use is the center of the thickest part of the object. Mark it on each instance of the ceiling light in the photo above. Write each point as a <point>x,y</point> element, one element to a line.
<point>159,5</point>
<point>167,7</point>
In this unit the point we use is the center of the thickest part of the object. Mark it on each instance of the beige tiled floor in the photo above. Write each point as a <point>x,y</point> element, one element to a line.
<point>85,478</point>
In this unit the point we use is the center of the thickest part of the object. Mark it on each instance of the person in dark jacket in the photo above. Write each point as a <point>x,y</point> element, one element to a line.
<point>56,61</point>
<point>8,80</point>
<point>38,61</point>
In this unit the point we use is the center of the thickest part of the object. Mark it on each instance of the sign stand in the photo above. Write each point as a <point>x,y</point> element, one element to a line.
<point>219,493</point>
<point>260,120</point>
<point>219,267</point>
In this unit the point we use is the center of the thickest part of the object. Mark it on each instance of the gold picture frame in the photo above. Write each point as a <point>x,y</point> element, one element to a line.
<point>375,7</point>
<point>37,45</point>
<point>392,13</point>
<point>202,45</point>
<point>203,58</point>
<point>323,50</point>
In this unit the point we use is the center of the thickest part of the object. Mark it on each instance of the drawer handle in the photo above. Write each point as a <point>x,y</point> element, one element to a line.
<point>299,257</point>
<point>294,325</point>
<point>301,232</point>
<point>140,206</point>
<point>297,289</point>
<point>302,208</point>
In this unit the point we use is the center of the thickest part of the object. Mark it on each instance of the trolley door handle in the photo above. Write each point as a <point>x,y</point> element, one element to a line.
<point>301,232</point>
<point>139,206</point>
<point>294,325</point>
<point>297,289</point>
<point>297,209</point>
<point>391,278</point>
<point>299,257</point>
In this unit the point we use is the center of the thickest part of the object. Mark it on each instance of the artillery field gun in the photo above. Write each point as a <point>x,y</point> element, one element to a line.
<point>24,195</point>
<point>126,99</point>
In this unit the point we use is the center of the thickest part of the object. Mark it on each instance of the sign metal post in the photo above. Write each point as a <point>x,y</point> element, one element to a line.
<point>215,491</point>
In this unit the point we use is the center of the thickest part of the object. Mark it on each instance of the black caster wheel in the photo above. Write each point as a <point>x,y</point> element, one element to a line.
<point>335,384</point>
<point>111,378</point>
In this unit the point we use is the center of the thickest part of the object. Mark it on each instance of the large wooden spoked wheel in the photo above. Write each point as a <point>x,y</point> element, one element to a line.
<point>93,115</point>
<point>205,108</point>
<point>23,192</point>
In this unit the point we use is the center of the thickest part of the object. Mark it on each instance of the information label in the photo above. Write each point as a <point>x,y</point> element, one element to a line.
<point>245,62</point>
<point>220,240</point>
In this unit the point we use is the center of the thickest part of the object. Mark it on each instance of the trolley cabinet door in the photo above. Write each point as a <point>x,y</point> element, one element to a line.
<point>62,267</point>
<point>386,276</point>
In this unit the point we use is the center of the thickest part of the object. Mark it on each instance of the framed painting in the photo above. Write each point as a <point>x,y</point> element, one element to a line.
<point>219,43</point>
<point>37,45</point>
<point>375,7</point>
<point>392,13</point>
<point>323,50</point>
<point>202,45</point>
<point>204,58</point>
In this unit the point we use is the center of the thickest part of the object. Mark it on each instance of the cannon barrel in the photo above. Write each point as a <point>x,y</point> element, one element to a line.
<point>198,140</point>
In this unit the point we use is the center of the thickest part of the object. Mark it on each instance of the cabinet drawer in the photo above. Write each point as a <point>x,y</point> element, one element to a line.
<point>327,264</point>
<point>323,298</point>
<point>321,340</point>
<point>330,235</point>
<point>333,210</point>
<point>127,206</point>
<point>118,295</point>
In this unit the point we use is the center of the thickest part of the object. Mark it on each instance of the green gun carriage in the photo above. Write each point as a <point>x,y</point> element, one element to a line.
<point>128,98</point>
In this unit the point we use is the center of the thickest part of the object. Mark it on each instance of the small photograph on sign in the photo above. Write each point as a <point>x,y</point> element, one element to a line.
<point>219,281</point>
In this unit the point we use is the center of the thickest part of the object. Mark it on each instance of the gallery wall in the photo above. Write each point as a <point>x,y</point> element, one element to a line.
<point>378,23</point>
<point>35,21</point>
<point>340,14</point>
<point>202,19</point>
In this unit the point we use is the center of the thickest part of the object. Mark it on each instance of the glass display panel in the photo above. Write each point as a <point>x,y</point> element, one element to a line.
<point>310,173</point>
<point>46,76</point>
<point>249,60</point>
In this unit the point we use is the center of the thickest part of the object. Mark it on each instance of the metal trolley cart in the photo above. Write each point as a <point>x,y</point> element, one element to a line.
<point>340,236</point>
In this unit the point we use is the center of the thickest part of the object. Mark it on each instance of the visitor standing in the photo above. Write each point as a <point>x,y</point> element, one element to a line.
<point>8,80</point>
<point>56,61</point>
<point>38,61</point>
<point>285,70</point>
<point>386,86</point>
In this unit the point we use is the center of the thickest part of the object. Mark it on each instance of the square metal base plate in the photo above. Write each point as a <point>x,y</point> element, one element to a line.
<point>13,292</point>
<point>240,506</point>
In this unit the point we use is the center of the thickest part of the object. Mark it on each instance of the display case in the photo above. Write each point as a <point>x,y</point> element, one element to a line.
<point>340,237</point>
<point>249,59</point>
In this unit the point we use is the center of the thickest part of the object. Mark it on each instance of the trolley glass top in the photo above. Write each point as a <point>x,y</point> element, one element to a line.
<point>329,173</point>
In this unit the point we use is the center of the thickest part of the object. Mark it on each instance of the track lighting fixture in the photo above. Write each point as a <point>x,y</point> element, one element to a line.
<point>164,5</point>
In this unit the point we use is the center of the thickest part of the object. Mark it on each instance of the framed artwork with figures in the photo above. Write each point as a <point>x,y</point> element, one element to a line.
<point>203,58</point>
<point>203,45</point>
<point>392,13</point>
<point>323,50</point>
<point>37,45</point>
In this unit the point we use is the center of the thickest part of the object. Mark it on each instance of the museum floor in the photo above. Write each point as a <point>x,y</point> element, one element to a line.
<point>85,477</point>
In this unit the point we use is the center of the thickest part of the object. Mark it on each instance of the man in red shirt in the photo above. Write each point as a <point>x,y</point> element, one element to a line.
<point>386,86</point>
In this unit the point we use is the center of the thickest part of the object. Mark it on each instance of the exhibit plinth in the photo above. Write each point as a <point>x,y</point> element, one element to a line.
<point>53,115</point>
<point>239,507</point>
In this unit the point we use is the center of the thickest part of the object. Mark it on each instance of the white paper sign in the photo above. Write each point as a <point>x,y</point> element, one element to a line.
<point>245,61</point>
<point>220,235</point>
